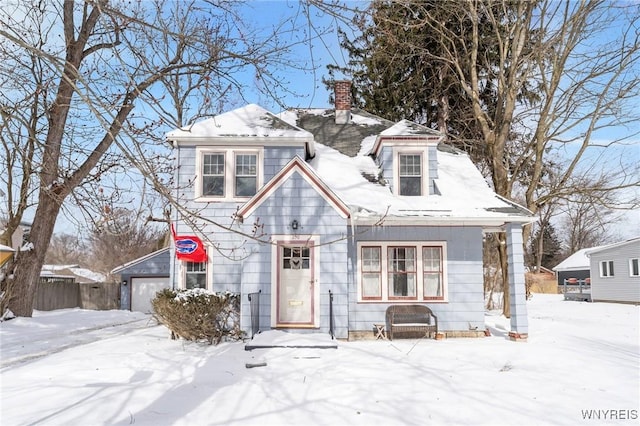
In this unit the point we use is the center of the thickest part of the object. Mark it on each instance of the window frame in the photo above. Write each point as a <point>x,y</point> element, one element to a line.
<point>637,267</point>
<point>386,295</point>
<point>203,175</point>
<point>230,187</point>
<point>378,272</point>
<point>406,261</point>
<point>237,154</point>
<point>399,152</point>
<point>439,271</point>
<point>606,269</point>
<point>186,273</point>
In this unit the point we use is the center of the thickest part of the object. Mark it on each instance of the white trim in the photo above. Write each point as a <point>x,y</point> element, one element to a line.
<point>384,245</point>
<point>117,269</point>
<point>276,241</point>
<point>631,267</point>
<point>308,174</point>
<point>182,271</point>
<point>607,264</point>
<point>229,172</point>
<point>434,218</point>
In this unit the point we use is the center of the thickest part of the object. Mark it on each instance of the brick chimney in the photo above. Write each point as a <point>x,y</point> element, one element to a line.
<point>342,96</point>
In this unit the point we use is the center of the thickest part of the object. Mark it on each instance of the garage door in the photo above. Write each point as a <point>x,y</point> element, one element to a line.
<point>143,290</point>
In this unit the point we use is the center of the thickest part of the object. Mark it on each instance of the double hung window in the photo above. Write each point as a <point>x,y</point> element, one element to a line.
<point>246,183</point>
<point>195,275</point>
<point>410,174</point>
<point>213,175</point>
<point>227,174</point>
<point>399,272</point>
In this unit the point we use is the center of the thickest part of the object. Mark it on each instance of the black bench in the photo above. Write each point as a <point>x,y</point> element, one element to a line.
<point>416,320</point>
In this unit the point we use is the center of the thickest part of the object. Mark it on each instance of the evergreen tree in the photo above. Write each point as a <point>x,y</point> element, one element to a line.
<point>398,72</point>
<point>549,253</point>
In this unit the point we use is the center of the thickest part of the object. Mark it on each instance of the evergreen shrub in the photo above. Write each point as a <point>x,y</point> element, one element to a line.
<point>198,314</point>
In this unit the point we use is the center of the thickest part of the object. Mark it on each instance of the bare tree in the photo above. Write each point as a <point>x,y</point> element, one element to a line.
<point>94,75</point>
<point>578,61</point>
<point>124,237</point>
<point>66,249</point>
<point>587,219</point>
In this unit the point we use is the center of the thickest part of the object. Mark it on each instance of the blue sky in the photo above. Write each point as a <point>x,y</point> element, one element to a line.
<point>322,51</point>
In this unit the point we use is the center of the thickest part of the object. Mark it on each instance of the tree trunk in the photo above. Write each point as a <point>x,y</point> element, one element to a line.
<point>28,264</point>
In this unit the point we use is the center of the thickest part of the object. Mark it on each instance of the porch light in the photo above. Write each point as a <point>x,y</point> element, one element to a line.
<point>294,225</point>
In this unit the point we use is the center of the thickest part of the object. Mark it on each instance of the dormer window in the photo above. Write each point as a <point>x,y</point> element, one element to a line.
<point>227,174</point>
<point>410,174</point>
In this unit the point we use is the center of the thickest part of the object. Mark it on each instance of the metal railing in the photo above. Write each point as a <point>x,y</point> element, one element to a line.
<point>583,287</point>
<point>254,305</point>
<point>331,320</point>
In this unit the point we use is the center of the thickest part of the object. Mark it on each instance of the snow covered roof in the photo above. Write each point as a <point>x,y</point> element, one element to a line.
<point>82,275</point>
<point>340,156</point>
<point>577,261</point>
<point>251,121</point>
<point>6,248</point>
<point>464,194</point>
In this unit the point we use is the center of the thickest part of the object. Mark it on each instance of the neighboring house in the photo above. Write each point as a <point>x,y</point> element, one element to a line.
<point>142,278</point>
<point>6,253</point>
<point>75,272</point>
<point>575,266</point>
<point>20,235</point>
<point>346,213</point>
<point>615,272</point>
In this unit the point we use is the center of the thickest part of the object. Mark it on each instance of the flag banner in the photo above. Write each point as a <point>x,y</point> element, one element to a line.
<point>189,247</point>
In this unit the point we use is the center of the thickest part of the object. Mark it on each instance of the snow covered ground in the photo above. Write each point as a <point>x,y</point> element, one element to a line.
<point>581,365</point>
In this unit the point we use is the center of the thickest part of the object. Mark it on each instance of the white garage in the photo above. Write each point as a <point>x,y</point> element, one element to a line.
<point>144,289</point>
<point>142,278</point>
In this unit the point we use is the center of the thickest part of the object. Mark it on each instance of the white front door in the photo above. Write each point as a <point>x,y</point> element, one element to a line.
<point>296,285</point>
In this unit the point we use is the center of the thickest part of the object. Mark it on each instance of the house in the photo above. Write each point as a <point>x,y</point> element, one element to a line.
<point>72,272</point>
<point>325,217</point>
<point>6,253</point>
<point>575,266</point>
<point>615,272</point>
<point>142,278</point>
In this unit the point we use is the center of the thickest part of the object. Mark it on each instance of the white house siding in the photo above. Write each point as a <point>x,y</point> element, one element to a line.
<point>621,287</point>
<point>295,199</point>
<point>465,306</point>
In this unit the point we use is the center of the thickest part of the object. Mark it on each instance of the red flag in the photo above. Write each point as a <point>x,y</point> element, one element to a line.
<point>189,247</point>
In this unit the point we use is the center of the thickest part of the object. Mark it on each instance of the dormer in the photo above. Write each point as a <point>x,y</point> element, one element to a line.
<point>407,153</point>
<point>229,157</point>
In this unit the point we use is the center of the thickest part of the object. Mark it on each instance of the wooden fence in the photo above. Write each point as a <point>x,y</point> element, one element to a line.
<point>100,296</point>
<point>69,294</point>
